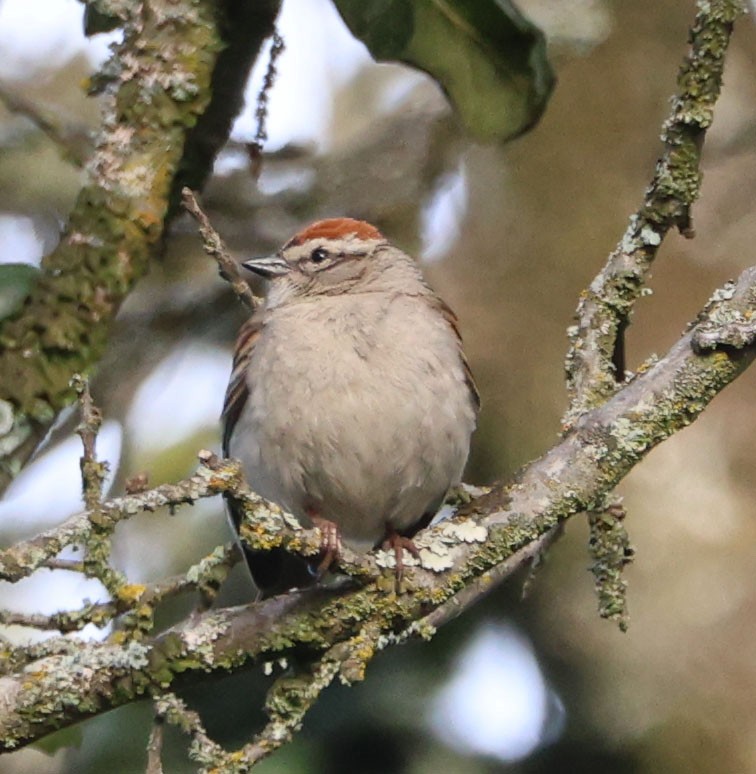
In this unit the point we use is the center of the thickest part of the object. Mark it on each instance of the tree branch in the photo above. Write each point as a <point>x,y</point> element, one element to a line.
<point>24,557</point>
<point>496,530</point>
<point>334,633</point>
<point>596,342</point>
<point>168,108</point>
<point>595,361</point>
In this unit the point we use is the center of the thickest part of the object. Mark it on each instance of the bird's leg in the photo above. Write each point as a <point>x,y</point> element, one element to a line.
<point>330,540</point>
<point>397,542</point>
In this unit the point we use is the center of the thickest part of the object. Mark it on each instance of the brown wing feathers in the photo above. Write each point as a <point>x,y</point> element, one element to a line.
<point>451,318</point>
<point>237,391</point>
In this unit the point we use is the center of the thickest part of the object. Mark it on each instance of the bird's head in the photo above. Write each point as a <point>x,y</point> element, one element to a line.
<point>333,257</point>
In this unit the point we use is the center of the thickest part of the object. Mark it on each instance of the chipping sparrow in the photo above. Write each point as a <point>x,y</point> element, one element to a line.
<point>350,402</point>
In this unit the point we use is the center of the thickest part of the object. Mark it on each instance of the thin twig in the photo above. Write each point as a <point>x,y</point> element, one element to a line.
<point>170,709</point>
<point>277,47</point>
<point>74,142</point>
<point>204,577</point>
<point>215,248</point>
<point>100,614</point>
<point>70,565</point>
<point>97,542</point>
<point>483,585</point>
<point>538,560</point>
<point>92,472</point>
<point>255,148</point>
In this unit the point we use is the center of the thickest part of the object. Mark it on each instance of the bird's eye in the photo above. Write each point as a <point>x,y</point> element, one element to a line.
<point>318,255</point>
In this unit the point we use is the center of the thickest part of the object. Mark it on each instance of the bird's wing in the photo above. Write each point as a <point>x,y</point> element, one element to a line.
<point>451,318</point>
<point>273,571</point>
<point>237,391</point>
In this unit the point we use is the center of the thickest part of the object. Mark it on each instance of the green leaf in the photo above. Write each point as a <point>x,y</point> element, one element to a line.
<point>16,282</point>
<point>489,59</point>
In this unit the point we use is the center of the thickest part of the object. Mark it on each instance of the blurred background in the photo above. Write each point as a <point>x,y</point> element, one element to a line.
<point>509,236</point>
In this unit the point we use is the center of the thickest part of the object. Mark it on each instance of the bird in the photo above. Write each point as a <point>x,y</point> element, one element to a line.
<point>351,403</point>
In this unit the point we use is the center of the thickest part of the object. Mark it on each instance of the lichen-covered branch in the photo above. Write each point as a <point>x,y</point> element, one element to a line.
<point>170,709</point>
<point>171,89</point>
<point>267,525</point>
<point>327,632</point>
<point>611,551</point>
<point>24,557</point>
<point>289,699</point>
<point>206,577</point>
<point>595,362</point>
<point>596,358</point>
<point>344,627</point>
<point>92,472</point>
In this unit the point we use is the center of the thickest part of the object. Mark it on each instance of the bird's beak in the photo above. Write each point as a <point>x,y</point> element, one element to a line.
<point>268,266</point>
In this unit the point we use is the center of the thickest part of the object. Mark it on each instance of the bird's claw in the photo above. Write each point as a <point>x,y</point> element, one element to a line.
<point>396,542</point>
<point>330,543</point>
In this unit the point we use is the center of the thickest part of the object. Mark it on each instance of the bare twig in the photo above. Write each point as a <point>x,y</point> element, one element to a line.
<point>255,148</point>
<point>594,369</point>
<point>74,141</point>
<point>538,560</point>
<point>277,47</point>
<point>70,565</point>
<point>215,248</point>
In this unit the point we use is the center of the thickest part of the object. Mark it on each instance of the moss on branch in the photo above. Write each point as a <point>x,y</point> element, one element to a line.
<point>348,626</point>
<point>172,88</point>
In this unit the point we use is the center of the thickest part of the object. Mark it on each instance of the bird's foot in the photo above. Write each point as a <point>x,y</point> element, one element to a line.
<point>330,542</point>
<point>398,543</point>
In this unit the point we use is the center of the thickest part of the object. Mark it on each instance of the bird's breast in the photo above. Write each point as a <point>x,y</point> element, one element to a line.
<point>358,407</point>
